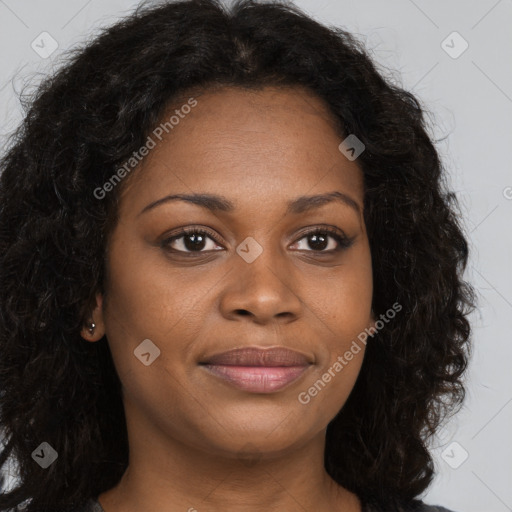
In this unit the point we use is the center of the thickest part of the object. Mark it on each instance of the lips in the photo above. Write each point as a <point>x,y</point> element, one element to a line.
<point>253,356</point>
<point>258,370</point>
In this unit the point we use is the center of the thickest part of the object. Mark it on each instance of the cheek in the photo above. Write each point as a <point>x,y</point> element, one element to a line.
<point>147,299</point>
<point>142,292</point>
<point>342,311</point>
<point>339,365</point>
<point>342,303</point>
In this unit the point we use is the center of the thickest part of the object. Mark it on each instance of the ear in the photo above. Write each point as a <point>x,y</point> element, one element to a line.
<point>89,333</point>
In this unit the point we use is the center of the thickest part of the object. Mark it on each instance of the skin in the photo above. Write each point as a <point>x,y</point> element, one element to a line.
<point>196,442</point>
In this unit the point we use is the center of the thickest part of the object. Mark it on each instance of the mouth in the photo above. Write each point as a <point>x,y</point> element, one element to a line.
<point>258,370</point>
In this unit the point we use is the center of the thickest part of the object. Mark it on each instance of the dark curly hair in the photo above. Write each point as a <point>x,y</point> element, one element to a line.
<point>87,119</point>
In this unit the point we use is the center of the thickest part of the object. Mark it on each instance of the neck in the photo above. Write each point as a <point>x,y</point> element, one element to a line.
<point>166,474</point>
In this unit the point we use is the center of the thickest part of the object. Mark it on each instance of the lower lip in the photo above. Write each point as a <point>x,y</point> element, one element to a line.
<point>257,379</point>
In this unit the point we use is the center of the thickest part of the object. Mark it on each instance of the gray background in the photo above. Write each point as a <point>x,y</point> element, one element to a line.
<point>469,97</point>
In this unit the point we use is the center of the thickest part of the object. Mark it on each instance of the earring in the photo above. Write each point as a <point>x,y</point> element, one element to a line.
<point>91,327</point>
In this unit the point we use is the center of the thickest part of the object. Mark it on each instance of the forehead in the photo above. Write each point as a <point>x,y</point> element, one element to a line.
<point>272,142</point>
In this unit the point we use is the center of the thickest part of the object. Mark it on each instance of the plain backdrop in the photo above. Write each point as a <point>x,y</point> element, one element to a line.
<point>455,57</point>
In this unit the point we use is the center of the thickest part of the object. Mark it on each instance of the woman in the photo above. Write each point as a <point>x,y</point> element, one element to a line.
<point>231,275</point>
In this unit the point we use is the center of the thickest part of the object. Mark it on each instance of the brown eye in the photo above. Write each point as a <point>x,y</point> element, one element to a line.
<point>190,240</point>
<point>325,240</point>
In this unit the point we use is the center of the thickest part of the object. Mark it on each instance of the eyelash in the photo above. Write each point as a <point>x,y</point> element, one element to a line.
<point>344,242</point>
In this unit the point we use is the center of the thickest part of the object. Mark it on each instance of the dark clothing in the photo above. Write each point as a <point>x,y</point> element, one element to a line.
<point>94,506</point>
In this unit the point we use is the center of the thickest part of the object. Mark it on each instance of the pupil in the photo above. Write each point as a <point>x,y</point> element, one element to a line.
<point>196,244</point>
<point>318,239</point>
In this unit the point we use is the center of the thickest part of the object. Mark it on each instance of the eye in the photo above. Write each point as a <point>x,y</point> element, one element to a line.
<point>195,240</point>
<point>190,240</point>
<point>318,240</point>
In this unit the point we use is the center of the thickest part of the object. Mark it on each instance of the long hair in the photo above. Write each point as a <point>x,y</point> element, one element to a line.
<point>87,119</point>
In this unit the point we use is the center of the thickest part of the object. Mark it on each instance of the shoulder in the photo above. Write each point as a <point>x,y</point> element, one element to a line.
<point>432,508</point>
<point>415,506</point>
<point>423,507</point>
<point>92,505</point>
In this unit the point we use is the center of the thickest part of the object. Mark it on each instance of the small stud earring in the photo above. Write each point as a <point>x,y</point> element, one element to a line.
<point>92,326</point>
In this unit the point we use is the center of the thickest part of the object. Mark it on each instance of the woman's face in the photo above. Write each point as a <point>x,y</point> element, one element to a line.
<point>256,279</point>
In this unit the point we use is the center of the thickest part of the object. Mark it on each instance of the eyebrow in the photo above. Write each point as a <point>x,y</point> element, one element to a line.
<point>298,205</point>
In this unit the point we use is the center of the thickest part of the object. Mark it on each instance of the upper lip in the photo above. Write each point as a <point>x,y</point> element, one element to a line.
<point>256,356</point>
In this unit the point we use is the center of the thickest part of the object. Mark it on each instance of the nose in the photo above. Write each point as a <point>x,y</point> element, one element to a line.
<point>264,290</point>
